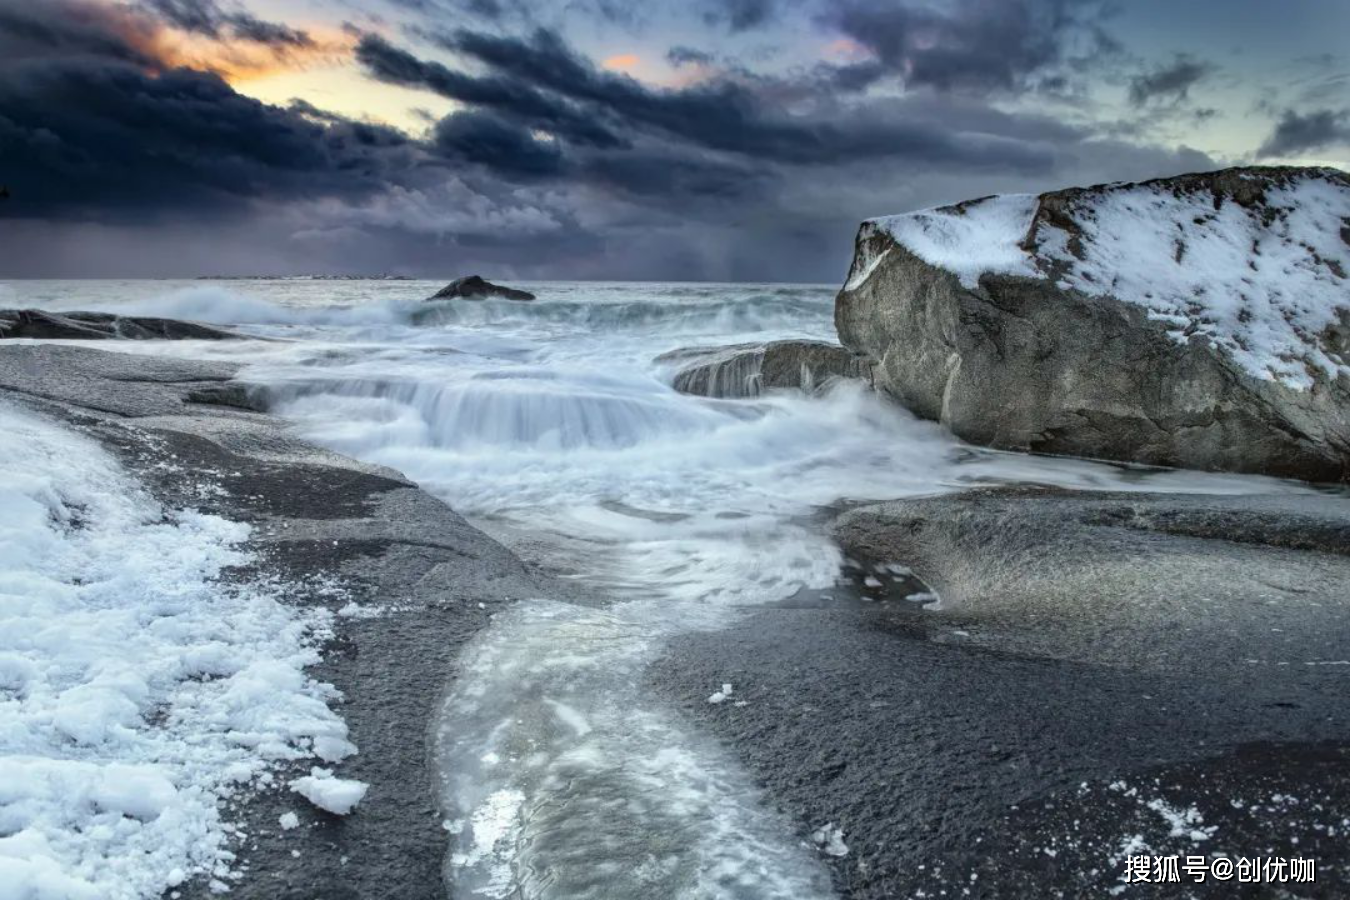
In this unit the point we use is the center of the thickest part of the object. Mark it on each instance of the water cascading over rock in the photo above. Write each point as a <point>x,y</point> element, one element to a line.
<point>747,370</point>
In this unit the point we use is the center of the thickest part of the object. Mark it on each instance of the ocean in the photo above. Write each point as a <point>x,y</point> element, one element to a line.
<point>551,426</point>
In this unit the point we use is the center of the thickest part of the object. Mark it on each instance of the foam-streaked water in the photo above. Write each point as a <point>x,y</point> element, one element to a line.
<point>550,426</point>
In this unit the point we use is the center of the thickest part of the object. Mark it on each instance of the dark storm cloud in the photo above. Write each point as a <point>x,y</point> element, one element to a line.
<point>550,165</point>
<point>1171,82</point>
<point>684,56</point>
<point>741,15</point>
<point>103,138</point>
<point>36,30</point>
<point>653,174</point>
<point>977,44</point>
<point>207,17</point>
<point>480,137</point>
<point>724,115</point>
<point>510,98</point>
<point>310,111</point>
<point>1297,133</point>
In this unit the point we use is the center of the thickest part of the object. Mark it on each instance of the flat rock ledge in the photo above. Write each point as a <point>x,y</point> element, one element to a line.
<point>1201,321</point>
<point>1096,668</point>
<point>473,287</point>
<point>748,370</point>
<point>45,325</point>
<point>190,434</point>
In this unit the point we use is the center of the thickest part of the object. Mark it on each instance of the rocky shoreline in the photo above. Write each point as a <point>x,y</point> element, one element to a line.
<point>1009,691</point>
<point>348,535</point>
<point>1097,668</point>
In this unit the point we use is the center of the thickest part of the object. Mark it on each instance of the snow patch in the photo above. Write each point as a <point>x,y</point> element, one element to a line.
<point>1261,283</point>
<point>137,690</point>
<point>830,839</point>
<point>721,696</point>
<point>969,239</point>
<point>338,796</point>
<point>1187,823</point>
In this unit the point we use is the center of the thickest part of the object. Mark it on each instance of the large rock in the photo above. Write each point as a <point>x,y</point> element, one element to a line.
<point>472,287</point>
<point>1201,321</point>
<point>37,323</point>
<point>746,370</point>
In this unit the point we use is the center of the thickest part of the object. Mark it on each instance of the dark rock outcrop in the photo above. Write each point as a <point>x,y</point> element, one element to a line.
<point>1201,321</point>
<point>472,287</point>
<point>37,323</point>
<point>747,370</point>
<point>1096,662</point>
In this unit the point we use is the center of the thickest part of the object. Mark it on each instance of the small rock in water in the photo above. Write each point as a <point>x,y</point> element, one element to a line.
<point>474,287</point>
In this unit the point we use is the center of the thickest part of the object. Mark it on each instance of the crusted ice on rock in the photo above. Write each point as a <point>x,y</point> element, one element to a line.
<point>967,239</point>
<point>829,838</point>
<point>338,796</point>
<point>1261,270</point>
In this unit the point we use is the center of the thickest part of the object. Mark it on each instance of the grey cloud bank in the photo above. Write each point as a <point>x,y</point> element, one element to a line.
<point>550,166</point>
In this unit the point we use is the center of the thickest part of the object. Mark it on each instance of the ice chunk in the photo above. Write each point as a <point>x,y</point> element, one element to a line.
<point>335,795</point>
<point>722,695</point>
<point>830,839</point>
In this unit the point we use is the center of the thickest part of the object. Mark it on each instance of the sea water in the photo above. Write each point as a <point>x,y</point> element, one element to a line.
<point>550,425</point>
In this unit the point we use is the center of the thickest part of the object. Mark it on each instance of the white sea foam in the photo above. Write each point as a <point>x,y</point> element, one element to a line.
<point>137,692</point>
<point>224,306</point>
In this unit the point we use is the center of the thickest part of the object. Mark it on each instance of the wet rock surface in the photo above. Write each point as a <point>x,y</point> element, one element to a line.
<point>1098,676</point>
<point>1063,341</point>
<point>472,287</point>
<point>747,370</point>
<point>345,535</point>
<point>42,324</point>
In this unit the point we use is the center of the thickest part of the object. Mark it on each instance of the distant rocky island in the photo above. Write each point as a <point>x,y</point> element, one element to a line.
<point>381,277</point>
<point>475,287</point>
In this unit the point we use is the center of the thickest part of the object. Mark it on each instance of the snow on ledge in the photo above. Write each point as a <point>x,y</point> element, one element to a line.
<point>1261,282</point>
<point>138,691</point>
<point>971,238</point>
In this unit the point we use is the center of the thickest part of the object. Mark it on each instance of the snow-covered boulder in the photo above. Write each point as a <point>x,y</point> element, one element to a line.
<point>1199,321</point>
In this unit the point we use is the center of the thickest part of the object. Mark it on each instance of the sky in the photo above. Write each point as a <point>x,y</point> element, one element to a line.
<point>687,140</point>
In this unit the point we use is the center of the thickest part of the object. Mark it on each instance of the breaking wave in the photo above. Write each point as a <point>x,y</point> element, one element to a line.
<point>564,308</point>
